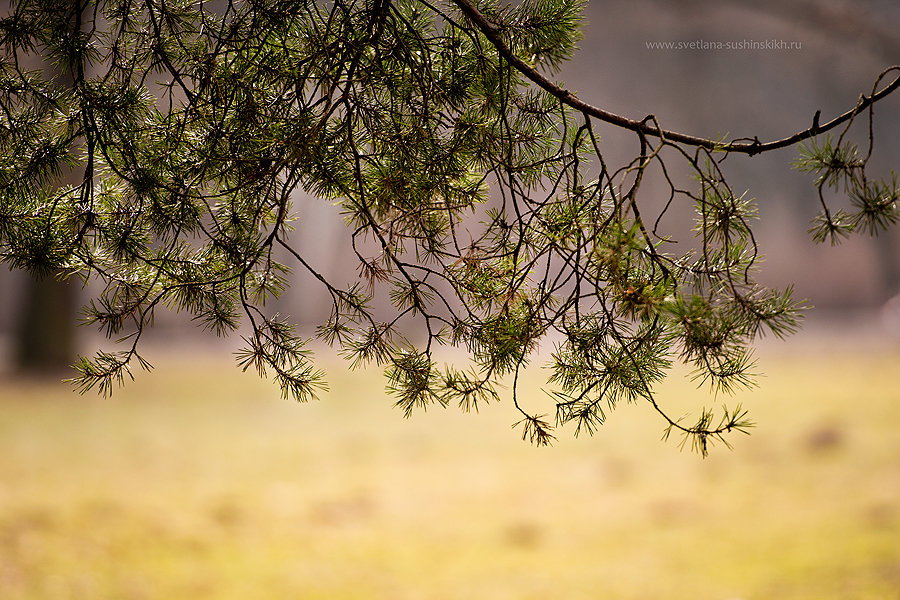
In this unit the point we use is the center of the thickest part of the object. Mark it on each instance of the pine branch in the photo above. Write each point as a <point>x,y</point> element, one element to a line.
<point>645,127</point>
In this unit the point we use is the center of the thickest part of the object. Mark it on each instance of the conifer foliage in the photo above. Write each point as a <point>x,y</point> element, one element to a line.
<point>436,127</point>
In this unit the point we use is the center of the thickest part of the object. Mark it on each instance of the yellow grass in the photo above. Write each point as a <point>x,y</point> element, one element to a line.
<point>200,482</point>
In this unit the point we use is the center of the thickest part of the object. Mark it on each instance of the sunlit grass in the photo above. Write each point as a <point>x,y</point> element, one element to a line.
<point>200,482</point>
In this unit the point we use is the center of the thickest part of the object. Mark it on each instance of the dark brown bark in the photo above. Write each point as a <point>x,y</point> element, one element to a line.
<point>45,336</point>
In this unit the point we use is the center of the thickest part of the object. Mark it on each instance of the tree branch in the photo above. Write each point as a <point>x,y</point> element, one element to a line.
<point>742,145</point>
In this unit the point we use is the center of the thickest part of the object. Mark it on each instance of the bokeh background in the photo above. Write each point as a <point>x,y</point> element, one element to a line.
<point>198,481</point>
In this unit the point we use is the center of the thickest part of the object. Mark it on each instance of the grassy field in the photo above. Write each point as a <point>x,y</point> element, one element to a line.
<point>200,482</point>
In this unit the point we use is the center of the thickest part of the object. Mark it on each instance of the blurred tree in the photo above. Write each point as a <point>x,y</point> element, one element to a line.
<point>45,328</point>
<point>475,188</point>
<point>45,335</point>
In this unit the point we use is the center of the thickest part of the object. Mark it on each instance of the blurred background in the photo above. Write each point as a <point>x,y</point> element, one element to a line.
<point>199,482</point>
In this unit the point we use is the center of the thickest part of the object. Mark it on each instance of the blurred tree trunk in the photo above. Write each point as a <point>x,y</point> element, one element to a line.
<point>45,336</point>
<point>45,329</point>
